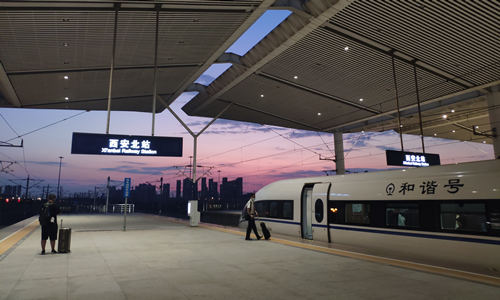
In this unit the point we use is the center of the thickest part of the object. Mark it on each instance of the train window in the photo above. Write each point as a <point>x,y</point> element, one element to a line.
<point>262,208</point>
<point>463,217</point>
<point>402,215</point>
<point>288,210</point>
<point>357,213</point>
<point>274,209</point>
<point>278,209</point>
<point>318,210</point>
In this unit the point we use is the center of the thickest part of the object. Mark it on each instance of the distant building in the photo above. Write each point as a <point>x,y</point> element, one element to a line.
<point>232,193</point>
<point>178,190</point>
<point>12,190</point>
<point>165,192</point>
<point>187,189</point>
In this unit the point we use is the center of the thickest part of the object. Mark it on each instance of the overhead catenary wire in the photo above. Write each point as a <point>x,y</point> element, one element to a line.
<point>8,124</point>
<point>46,126</point>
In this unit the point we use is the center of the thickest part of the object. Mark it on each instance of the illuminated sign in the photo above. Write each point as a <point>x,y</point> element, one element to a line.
<point>126,187</point>
<point>110,144</point>
<point>411,159</point>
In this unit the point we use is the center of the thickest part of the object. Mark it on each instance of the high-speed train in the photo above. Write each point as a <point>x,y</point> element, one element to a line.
<point>447,213</point>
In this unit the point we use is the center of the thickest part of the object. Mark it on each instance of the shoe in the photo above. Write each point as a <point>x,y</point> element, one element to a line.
<point>248,239</point>
<point>259,237</point>
<point>54,251</point>
<point>43,252</point>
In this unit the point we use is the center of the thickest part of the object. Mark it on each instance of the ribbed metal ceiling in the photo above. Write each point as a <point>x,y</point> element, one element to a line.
<point>42,43</point>
<point>459,37</point>
<point>454,46</point>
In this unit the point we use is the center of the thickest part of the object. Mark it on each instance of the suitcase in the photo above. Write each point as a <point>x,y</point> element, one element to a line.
<point>265,231</point>
<point>64,242</point>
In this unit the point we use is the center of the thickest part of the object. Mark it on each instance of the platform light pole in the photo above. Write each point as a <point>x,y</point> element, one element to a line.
<point>59,178</point>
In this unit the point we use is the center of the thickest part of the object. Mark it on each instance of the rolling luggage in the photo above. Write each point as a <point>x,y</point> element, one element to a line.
<point>64,243</point>
<point>265,231</point>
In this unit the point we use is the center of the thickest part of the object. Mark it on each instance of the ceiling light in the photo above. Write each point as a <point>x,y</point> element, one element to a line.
<point>452,110</point>
<point>319,114</point>
<point>360,99</point>
<point>65,44</point>
<point>295,77</point>
<point>401,126</point>
<point>484,142</point>
<point>435,134</point>
<point>346,48</point>
<point>444,116</point>
<point>477,127</point>
<point>66,98</point>
<point>262,95</point>
<point>453,131</point>
<point>66,77</point>
<point>362,131</point>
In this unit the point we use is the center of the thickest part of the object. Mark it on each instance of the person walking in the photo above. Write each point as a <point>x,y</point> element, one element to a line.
<point>252,213</point>
<point>48,221</point>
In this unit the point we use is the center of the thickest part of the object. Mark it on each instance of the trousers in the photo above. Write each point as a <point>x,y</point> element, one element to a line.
<point>251,226</point>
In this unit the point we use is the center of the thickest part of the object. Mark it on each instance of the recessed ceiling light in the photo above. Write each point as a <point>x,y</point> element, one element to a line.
<point>295,77</point>
<point>452,110</point>
<point>484,142</point>
<point>401,126</point>
<point>360,99</point>
<point>66,77</point>
<point>453,131</point>
<point>319,114</point>
<point>262,95</point>
<point>477,127</point>
<point>66,98</point>
<point>444,116</point>
<point>435,134</point>
<point>346,48</point>
<point>362,131</point>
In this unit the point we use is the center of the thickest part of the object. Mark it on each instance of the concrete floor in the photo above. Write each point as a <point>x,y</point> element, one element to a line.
<point>160,259</point>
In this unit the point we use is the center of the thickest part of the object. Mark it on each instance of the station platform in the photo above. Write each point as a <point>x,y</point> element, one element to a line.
<point>163,258</point>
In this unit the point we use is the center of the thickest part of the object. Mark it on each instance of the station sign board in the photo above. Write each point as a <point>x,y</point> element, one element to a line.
<point>411,159</point>
<point>126,187</point>
<point>134,145</point>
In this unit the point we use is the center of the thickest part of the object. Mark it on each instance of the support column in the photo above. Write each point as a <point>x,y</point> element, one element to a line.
<point>493,99</point>
<point>339,152</point>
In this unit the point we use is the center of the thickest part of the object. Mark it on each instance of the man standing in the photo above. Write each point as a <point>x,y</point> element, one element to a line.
<point>48,221</point>
<point>252,213</point>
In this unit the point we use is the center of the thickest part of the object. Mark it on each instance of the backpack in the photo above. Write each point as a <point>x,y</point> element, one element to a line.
<point>44,217</point>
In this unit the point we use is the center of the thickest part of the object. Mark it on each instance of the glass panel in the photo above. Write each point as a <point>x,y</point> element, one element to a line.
<point>357,213</point>
<point>288,210</point>
<point>318,210</point>
<point>262,208</point>
<point>274,209</point>
<point>402,215</point>
<point>463,217</point>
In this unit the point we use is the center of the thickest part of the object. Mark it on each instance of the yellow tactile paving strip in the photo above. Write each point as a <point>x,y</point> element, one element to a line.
<point>14,238</point>
<point>377,259</point>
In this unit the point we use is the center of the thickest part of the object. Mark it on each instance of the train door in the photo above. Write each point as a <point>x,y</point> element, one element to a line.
<point>319,214</point>
<point>306,212</point>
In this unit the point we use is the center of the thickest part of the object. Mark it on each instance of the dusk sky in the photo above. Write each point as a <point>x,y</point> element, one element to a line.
<point>259,154</point>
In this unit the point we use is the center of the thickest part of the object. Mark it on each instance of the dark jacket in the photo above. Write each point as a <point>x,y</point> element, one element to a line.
<point>53,211</point>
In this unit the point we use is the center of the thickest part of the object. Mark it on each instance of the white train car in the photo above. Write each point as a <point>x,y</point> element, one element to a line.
<point>445,213</point>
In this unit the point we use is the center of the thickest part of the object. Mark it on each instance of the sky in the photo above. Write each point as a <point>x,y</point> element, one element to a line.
<point>260,154</point>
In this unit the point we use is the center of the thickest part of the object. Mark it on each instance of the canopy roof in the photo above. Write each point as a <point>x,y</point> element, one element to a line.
<point>311,72</point>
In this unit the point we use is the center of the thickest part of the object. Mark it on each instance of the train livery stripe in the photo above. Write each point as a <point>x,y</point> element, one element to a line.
<point>410,234</point>
<point>421,235</point>
<point>14,238</point>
